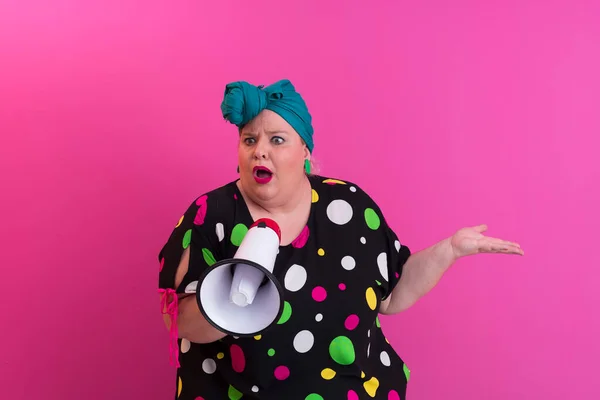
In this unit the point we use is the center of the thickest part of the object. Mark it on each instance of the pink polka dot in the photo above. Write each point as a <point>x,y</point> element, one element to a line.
<point>162,264</point>
<point>201,213</point>
<point>238,361</point>
<point>352,395</point>
<point>342,286</point>
<point>351,322</point>
<point>302,238</point>
<point>282,372</point>
<point>319,294</point>
<point>397,275</point>
<point>235,196</point>
<point>201,200</point>
<point>199,398</point>
<point>393,395</point>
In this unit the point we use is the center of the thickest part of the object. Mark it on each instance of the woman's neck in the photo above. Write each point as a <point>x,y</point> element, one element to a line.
<point>285,203</point>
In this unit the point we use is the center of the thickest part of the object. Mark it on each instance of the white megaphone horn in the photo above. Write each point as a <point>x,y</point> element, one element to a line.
<point>240,296</point>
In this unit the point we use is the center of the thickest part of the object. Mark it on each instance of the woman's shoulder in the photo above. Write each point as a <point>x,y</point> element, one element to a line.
<point>227,192</point>
<point>212,205</point>
<point>335,188</point>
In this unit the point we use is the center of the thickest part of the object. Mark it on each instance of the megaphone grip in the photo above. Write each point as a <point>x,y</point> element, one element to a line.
<point>246,281</point>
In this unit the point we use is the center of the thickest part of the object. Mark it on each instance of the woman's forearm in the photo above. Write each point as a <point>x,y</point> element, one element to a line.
<point>421,272</point>
<point>192,325</point>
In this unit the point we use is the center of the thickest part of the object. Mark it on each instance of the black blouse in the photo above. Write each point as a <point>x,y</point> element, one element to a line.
<point>328,343</point>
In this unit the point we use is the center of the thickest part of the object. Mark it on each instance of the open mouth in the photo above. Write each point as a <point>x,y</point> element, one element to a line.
<point>262,174</point>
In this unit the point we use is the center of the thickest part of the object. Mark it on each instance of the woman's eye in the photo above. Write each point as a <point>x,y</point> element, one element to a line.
<point>249,140</point>
<point>278,139</point>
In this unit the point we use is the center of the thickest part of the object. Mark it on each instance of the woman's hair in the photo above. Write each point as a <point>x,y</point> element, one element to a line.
<point>314,166</point>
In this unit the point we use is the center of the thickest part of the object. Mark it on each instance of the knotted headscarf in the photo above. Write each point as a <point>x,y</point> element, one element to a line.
<point>244,101</point>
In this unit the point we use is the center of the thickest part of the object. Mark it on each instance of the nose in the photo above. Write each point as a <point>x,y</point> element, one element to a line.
<point>260,150</point>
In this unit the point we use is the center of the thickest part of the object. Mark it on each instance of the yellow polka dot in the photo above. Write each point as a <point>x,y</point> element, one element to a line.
<point>371,298</point>
<point>179,387</point>
<point>327,373</point>
<point>371,386</point>
<point>180,221</point>
<point>220,355</point>
<point>386,339</point>
<point>362,374</point>
<point>321,252</point>
<point>257,337</point>
<point>315,196</point>
<point>334,181</point>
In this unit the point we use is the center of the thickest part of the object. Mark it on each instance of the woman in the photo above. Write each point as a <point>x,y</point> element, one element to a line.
<point>339,261</point>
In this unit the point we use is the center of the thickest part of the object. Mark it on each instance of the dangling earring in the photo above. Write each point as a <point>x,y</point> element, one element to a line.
<point>238,169</point>
<point>307,166</point>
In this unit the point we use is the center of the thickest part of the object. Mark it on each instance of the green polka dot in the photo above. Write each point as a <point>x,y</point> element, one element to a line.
<point>187,238</point>
<point>285,314</point>
<point>208,257</point>
<point>314,396</point>
<point>372,219</point>
<point>341,350</point>
<point>233,393</point>
<point>238,233</point>
<point>406,372</point>
<point>378,283</point>
<point>377,322</point>
<point>271,352</point>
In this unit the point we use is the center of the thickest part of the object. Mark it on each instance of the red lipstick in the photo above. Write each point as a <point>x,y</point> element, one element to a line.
<point>262,174</point>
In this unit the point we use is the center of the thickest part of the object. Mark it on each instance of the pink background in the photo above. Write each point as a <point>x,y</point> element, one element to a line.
<point>473,111</point>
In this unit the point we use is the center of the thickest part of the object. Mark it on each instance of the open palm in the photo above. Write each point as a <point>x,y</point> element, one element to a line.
<point>470,240</point>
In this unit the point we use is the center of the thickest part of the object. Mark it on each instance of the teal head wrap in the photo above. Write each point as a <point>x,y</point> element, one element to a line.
<point>244,101</point>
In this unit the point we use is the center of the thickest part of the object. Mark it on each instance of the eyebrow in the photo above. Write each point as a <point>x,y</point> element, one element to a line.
<point>272,132</point>
<point>276,131</point>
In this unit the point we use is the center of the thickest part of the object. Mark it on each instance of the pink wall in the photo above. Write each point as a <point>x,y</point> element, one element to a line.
<point>110,125</point>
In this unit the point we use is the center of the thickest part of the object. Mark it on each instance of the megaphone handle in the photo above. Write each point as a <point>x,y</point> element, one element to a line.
<point>262,283</point>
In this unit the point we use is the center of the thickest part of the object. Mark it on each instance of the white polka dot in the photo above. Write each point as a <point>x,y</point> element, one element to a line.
<point>385,358</point>
<point>220,231</point>
<point>397,245</point>
<point>352,189</point>
<point>255,388</point>
<point>209,366</point>
<point>383,265</point>
<point>185,345</point>
<point>348,263</point>
<point>369,333</point>
<point>339,212</point>
<point>295,278</point>
<point>368,349</point>
<point>303,341</point>
<point>363,240</point>
<point>319,317</point>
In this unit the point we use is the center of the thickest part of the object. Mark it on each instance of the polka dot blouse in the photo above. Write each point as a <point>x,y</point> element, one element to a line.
<point>328,343</point>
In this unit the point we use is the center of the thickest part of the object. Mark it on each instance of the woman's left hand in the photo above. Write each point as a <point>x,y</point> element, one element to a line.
<point>470,240</point>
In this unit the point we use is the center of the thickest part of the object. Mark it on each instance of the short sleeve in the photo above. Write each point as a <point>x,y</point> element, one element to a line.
<point>189,232</point>
<point>390,251</point>
<point>396,255</point>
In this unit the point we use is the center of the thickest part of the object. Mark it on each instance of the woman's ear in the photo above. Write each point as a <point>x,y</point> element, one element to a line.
<point>306,152</point>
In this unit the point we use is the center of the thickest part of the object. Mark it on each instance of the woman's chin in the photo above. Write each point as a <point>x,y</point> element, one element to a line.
<point>264,192</point>
<point>261,191</point>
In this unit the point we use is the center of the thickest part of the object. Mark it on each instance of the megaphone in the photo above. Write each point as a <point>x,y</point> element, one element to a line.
<point>240,296</point>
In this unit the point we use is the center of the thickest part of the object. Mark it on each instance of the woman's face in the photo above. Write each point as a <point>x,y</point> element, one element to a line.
<point>271,158</point>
